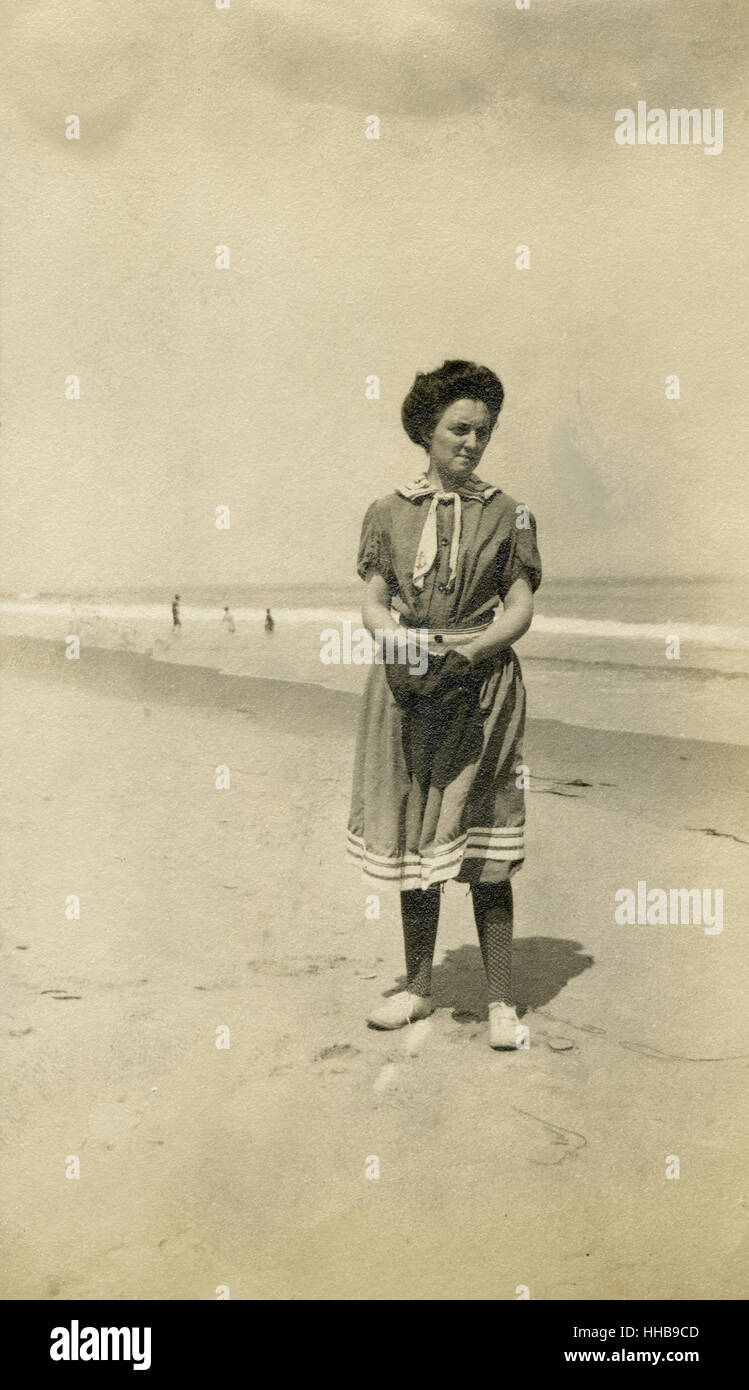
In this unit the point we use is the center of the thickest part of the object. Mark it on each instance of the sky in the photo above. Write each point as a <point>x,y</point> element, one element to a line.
<point>350,257</point>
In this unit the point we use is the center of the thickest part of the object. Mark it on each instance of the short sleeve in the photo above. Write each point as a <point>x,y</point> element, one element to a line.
<point>524,560</point>
<point>374,549</point>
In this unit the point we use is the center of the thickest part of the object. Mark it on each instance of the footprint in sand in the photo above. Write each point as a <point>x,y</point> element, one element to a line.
<point>417,1036</point>
<point>336,1050</point>
<point>305,965</point>
<point>386,1079</point>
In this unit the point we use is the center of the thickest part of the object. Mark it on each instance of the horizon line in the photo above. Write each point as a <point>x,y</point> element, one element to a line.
<point>352,584</point>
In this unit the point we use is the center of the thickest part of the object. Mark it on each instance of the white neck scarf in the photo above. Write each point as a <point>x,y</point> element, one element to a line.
<point>471,490</point>
<point>427,552</point>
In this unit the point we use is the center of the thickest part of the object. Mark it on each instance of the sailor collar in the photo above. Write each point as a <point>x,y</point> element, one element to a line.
<point>473,489</point>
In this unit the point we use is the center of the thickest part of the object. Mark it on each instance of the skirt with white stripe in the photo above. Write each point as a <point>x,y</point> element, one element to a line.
<point>439,795</point>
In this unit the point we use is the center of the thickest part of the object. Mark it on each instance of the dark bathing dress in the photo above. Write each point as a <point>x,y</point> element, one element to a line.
<point>438,799</point>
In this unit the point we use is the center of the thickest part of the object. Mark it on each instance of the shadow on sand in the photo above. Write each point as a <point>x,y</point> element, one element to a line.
<point>541,967</point>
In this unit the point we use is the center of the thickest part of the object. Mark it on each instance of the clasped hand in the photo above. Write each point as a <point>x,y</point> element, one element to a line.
<point>449,676</point>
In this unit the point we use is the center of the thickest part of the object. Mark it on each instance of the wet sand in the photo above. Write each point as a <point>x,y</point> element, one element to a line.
<point>205,908</point>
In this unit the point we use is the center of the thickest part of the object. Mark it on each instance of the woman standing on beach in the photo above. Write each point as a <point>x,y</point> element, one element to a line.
<point>437,788</point>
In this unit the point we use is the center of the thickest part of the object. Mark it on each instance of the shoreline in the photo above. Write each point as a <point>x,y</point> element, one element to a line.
<point>608,684</point>
<point>558,753</point>
<point>190,682</point>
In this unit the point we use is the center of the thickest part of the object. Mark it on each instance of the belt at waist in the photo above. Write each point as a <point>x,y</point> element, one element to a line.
<point>470,629</point>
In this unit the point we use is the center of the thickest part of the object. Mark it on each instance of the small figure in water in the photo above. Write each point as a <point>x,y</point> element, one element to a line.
<point>175,613</point>
<point>228,618</point>
<point>269,623</point>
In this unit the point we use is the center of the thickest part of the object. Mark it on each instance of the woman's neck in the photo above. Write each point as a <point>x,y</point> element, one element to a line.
<point>444,482</point>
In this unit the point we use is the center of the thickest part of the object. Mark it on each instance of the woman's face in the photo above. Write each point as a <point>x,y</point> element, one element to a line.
<point>459,439</point>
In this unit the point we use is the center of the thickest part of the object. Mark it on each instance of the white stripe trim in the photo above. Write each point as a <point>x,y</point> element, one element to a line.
<point>497,844</point>
<point>494,838</point>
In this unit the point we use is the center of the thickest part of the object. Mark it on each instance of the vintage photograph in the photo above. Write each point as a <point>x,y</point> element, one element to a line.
<point>374,652</point>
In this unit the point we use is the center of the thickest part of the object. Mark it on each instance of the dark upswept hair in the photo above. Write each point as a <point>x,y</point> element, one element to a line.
<point>433,392</point>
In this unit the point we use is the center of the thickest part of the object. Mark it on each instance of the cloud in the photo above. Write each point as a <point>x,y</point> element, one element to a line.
<point>440,59</point>
<point>429,60</point>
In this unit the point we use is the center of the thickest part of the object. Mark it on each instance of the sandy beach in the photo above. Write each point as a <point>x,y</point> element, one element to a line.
<point>203,909</point>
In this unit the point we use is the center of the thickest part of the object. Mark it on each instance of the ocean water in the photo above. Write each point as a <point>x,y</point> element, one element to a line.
<point>704,602</point>
<point>596,654</point>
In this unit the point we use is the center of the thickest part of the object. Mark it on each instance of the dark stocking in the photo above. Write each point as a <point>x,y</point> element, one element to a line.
<point>492,909</point>
<point>420,913</point>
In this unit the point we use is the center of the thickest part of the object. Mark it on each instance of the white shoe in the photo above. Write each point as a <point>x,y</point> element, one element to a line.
<point>504,1027</point>
<point>401,1009</point>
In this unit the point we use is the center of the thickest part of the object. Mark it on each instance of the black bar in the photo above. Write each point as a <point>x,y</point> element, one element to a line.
<point>207,1338</point>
